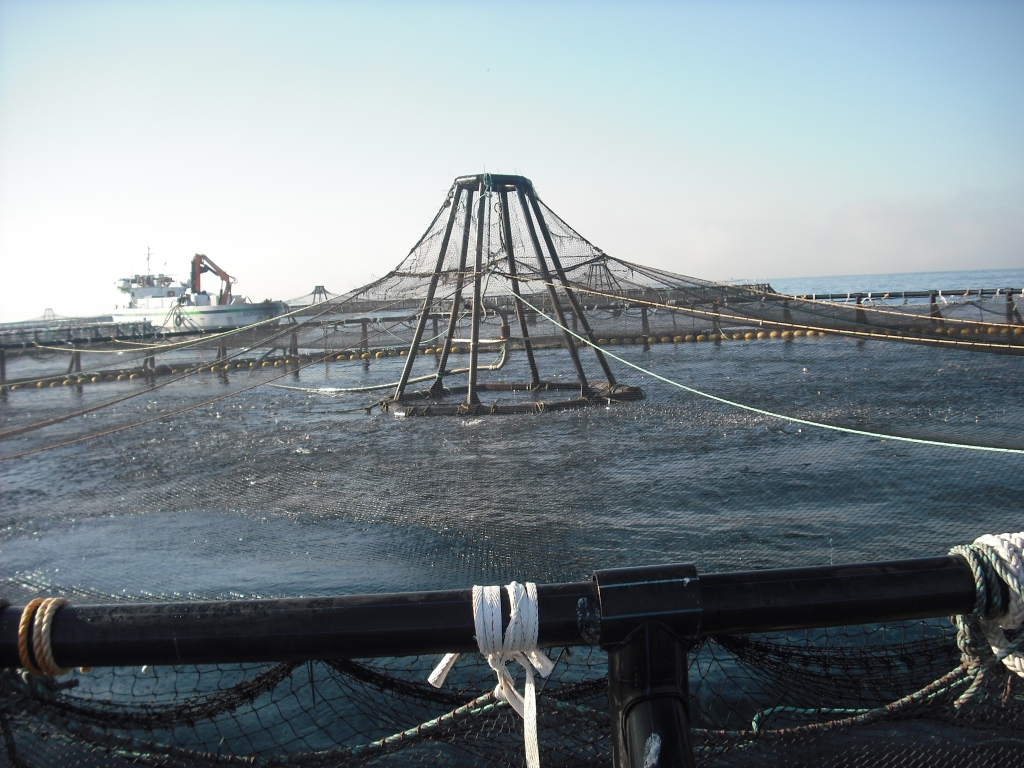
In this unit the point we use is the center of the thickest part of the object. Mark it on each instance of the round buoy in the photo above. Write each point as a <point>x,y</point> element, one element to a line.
<point>666,339</point>
<point>379,355</point>
<point>602,342</point>
<point>133,375</point>
<point>761,334</point>
<point>677,339</point>
<point>392,353</point>
<point>701,337</point>
<point>95,379</point>
<point>613,341</point>
<point>54,384</point>
<point>773,335</point>
<point>364,356</point>
<point>13,387</point>
<point>67,383</point>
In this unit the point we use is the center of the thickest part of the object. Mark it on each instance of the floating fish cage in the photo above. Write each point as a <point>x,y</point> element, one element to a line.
<point>223,549</point>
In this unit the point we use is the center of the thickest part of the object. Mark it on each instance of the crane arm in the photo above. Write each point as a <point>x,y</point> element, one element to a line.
<point>202,263</point>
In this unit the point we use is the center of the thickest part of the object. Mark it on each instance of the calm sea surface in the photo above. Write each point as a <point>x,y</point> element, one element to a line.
<point>902,281</point>
<point>285,491</point>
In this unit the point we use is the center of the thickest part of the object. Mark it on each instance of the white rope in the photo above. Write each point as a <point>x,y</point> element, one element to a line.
<point>517,644</point>
<point>1009,549</point>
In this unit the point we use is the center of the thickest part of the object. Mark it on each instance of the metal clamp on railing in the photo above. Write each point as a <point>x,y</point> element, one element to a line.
<point>630,597</point>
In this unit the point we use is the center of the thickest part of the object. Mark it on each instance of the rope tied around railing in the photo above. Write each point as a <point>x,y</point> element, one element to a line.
<point>518,644</point>
<point>997,562</point>
<point>34,627</point>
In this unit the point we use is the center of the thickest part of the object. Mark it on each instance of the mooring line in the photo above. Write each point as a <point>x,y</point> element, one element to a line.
<point>772,414</point>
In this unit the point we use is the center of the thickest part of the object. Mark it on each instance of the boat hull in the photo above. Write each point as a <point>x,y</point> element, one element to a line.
<point>186,318</point>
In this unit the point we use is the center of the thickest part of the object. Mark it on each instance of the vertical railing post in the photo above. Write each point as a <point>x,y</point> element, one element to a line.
<point>556,307</point>
<point>588,332</point>
<point>933,308</point>
<point>506,225</point>
<point>453,319</point>
<point>862,318</point>
<point>649,698</point>
<point>428,301</point>
<point>472,398</point>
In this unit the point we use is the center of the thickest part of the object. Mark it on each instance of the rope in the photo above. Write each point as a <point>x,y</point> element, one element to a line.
<point>997,562</point>
<point>24,631</point>
<point>35,624</point>
<point>519,644</point>
<point>41,645</point>
<point>763,412</point>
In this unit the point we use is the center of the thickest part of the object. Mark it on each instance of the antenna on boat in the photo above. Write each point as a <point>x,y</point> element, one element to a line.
<point>147,260</point>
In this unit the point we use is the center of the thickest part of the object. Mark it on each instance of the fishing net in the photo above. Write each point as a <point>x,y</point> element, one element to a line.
<point>775,431</point>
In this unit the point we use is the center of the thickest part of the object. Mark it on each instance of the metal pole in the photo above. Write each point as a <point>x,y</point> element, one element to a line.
<point>472,398</point>
<point>933,308</point>
<point>556,307</point>
<point>862,318</point>
<point>506,226</point>
<point>429,300</point>
<point>442,362</point>
<point>649,699</point>
<point>573,302</point>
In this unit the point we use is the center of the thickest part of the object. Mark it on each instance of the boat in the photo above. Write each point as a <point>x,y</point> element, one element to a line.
<point>185,307</point>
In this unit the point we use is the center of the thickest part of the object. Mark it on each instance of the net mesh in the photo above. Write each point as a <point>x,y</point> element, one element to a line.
<point>254,463</point>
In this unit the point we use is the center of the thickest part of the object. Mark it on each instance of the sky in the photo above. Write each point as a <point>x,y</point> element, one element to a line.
<point>311,143</point>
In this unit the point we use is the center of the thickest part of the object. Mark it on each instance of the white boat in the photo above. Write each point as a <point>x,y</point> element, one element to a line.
<point>178,306</point>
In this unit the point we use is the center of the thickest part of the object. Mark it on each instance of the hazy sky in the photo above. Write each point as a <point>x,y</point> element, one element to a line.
<point>302,143</point>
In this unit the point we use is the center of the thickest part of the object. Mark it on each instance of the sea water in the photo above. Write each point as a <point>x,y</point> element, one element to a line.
<point>293,492</point>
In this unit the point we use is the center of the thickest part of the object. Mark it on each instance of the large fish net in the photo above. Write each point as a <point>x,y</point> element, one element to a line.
<point>776,431</point>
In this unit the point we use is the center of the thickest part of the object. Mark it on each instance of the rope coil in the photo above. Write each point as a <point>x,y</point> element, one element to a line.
<point>997,561</point>
<point>34,627</point>
<point>518,644</point>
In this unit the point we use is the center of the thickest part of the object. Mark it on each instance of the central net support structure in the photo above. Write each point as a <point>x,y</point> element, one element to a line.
<point>504,222</point>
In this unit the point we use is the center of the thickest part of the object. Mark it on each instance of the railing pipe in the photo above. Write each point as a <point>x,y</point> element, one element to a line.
<point>603,611</point>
